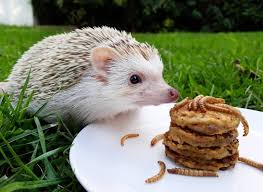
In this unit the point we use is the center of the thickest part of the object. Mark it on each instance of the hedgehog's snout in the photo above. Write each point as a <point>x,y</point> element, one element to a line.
<point>158,94</point>
<point>173,94</point>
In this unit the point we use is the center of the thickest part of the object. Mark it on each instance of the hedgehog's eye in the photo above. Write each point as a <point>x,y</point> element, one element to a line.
<point>134,79</point>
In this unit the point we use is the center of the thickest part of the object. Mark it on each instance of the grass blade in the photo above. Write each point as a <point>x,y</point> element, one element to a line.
<point>29,132</point>
<point>22,95</point>
<point>65,126</point>
<point>1,99</point>
<point>46,155</point>
<point>17,158</point>
<point>33,156</point>
<point>40,109</point>
<point>30,185</point>
<point>23,111</point>
<point>6,158</point>
<point>1,119</point>
<point>10,179</point>
<point>50,170</point>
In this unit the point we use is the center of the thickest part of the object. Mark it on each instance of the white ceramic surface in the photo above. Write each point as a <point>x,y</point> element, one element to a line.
<point>101,164</point>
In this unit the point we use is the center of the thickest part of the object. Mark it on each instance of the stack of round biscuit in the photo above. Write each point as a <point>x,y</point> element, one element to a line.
<point>202,139</point>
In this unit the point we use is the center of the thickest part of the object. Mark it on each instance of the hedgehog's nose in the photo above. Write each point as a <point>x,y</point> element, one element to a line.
<point>173,94</point>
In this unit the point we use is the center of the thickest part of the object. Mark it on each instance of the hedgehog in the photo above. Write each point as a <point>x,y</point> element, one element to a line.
<point>90,74</point>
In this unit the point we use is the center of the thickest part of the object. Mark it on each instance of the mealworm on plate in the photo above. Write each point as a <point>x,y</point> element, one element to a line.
<point>251,163</point>
<point>192,172</point>
<point>131,135</point>
<point>159,175</point>
<point>156,139</point>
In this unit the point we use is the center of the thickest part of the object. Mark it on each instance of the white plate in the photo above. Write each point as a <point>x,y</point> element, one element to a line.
<point>101,164</point>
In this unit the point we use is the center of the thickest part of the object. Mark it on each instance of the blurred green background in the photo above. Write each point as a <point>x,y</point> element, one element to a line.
<point>154,15</point>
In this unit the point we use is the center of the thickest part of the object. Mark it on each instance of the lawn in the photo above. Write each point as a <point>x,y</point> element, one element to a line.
<point>195,63</point>
<point>34,154</point>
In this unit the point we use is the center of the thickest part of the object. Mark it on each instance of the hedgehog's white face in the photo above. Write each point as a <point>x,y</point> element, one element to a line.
<point>144,83</point>
<point>134,80</point>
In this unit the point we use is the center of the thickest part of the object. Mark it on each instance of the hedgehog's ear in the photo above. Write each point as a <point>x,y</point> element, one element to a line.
<point>101,57</point>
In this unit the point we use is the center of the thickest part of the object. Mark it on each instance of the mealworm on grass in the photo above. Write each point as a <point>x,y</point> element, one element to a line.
<point>192,172</point>
<point>159,175</point>
<point>156,139</point>
<point>131,135</point>
<point>251,163</point>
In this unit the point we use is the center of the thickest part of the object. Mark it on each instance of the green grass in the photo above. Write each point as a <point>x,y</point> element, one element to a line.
<point>34,155</point>
<point>202,63</point>
<point>15,41</point>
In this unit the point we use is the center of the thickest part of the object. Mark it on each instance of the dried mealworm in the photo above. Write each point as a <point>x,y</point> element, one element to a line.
<point>156,139</point>
<point>208,99</point>
<point>212,100</point>
<point>196,102</point>
<point>192,172</point>
<point>158,176</point>
<point>238,114</point>
<point>245,125</point>
<point>182,103</point>
<point>131,135</point>
<point>190,105</point>
<point>218,108</point>
<point>233,110</point>
<point>230,110</point>
<point>251,163</point>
